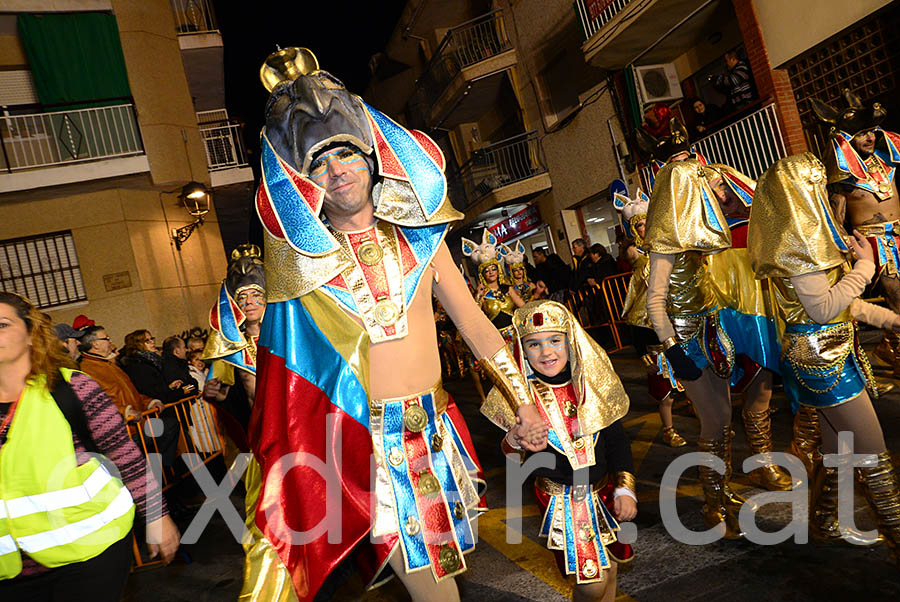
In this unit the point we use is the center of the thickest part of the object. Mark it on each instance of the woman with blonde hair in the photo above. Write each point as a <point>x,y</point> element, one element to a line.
<point>54,424</point>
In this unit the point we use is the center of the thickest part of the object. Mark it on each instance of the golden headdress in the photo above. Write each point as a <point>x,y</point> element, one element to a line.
<point>792,230</point>
<point>684,214</point>
<point>601,398</point>
<point>632,211</point>
<point>486,254</point>
<point>514,257</point>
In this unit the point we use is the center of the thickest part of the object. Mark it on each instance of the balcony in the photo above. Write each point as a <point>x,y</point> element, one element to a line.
<point>510,170</point>
<point>462,81</point>
<point>196,24</point>
<point>627,29</point>
<point>750,144</point>
<point>46,149</point>
<point>226,155</point>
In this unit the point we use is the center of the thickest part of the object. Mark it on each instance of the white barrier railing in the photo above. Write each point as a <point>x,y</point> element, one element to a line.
<point>224,146</point>
<point>193,16</point>
<point>593,15</point>
<point>750,144</point>
<point>47,139</point>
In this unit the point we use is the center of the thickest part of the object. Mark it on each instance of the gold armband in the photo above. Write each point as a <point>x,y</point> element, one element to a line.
<point>669,343</point>
<point>626,480</point>
<point>502,371</point>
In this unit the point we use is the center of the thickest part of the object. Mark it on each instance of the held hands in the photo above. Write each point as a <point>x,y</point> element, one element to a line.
<point>625,508</point>
<point>531,432</point>
<point>861,247</point>
<point>683,367</point>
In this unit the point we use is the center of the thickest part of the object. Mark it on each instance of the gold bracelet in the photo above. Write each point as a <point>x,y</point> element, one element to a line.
<point>626,480</point>
<point>502,371</point>
<point>669,343</point>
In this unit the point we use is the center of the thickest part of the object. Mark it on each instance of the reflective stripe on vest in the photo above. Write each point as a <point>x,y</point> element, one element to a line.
<point>51,508</point>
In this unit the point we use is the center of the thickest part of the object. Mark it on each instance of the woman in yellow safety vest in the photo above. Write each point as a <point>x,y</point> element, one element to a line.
<point>65,518</point>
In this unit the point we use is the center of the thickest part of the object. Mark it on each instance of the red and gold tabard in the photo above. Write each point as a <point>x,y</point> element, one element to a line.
<point>382,259</point>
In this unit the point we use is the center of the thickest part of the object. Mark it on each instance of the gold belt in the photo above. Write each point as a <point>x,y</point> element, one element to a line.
<point>876,229</point>
<point>549,487</point>
<point>441,398</point>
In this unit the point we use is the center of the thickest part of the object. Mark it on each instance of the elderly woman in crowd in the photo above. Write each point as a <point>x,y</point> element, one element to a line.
<point>63,414</point>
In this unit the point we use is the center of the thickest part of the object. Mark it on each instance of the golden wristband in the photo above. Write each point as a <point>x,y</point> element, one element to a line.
<point>502,371</point>
<point>669,343</point>
<point>626,480</point>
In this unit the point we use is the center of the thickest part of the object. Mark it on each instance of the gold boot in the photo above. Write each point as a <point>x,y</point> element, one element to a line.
<point>807,439</point>
<point>671,437</point>
<point>883,493</point>
<point>823,513</point>
<point>733,501</point>
<point>887,347</point>
<point>758,428</point>
<point>713,484</point>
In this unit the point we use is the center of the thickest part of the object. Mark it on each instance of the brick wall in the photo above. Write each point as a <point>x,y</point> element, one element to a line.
<point>770,82</point>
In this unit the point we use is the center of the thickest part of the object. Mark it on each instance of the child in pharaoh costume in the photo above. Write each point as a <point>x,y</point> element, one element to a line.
<point>661,382</point>
<point>590,485</point>
<point>795,241</point>
<point>494,295</point>
<point>515,261</point>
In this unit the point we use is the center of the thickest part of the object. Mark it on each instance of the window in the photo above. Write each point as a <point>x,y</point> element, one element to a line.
<point>42,268</point>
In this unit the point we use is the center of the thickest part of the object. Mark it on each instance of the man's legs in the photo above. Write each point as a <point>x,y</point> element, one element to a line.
<point>421,585</point>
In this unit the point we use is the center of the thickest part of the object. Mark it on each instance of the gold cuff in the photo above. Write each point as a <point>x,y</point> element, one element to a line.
<point>502,371</point>
<point>669,343</point>
<point>626,480</point>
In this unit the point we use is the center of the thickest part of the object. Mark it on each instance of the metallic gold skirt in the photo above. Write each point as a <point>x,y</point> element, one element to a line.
<point>705,341</point>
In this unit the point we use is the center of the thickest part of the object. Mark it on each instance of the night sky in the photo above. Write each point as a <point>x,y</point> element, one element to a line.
<point>342,35</point>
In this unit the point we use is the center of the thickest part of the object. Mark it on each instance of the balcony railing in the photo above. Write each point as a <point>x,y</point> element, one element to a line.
<point>193,16</point>
<point>224,146</point>
<point>462,46</point>
<point>62,137</point>
<point>594,14</point>
<point>750,144</point>
<point>500,164</point>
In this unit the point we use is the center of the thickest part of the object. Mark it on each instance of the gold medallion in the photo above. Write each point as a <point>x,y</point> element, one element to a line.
<point>370,253</point>
<point>437,442</point>
<point>579,443</point>
<point>458,511</point>
<point>884,187</point>
<point>386,312</point>
<point>449,558</point>
<point>429,486</point>
<point>589,569</point>
<point>585,533</point>
<point>395,456</point>
<point>415,419</point>
<point>412,527</point>
<point>571,409</point>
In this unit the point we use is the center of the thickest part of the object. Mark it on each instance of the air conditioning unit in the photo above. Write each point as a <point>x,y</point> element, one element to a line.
<point>657,83</point>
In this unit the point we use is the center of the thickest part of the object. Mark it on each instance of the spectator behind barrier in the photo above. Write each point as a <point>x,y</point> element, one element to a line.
<point>69,337</point>
<point>197,366</point>
<point>603,265</point>
<point>552,270</point>
<point>98,363</point>
<point>143,365</point>
<point>737,83</point>
<point>704,116</point>
<point>175,365</point>
<point>581,264</point>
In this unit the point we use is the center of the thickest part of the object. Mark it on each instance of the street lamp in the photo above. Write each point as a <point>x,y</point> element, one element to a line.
<point>195,198</point>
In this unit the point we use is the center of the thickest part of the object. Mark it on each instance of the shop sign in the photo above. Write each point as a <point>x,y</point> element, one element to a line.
<point>515,225</point>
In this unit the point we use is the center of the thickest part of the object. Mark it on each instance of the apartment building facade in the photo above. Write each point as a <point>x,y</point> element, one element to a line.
<point>100,137</point>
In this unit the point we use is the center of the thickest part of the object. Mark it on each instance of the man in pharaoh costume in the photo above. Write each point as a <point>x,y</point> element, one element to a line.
<point>797,243</point>
<point>495,295</point>
<point>355,211</point>
<point>660,381</point>
<point>861,166</point>
<point>234,322</point>
<point>745,311</point>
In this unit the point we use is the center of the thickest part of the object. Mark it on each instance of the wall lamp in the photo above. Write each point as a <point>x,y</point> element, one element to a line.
<point>195,198</point>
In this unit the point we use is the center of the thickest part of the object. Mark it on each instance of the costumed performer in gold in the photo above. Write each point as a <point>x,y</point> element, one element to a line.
<point>590,484</point>
<point>795,241</point>
<point>518,275</point>
<point>661,383</point>
<point>496,297</point>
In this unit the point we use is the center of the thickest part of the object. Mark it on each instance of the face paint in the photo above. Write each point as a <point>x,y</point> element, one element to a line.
<point>349,158</point>
<point>546,352</point>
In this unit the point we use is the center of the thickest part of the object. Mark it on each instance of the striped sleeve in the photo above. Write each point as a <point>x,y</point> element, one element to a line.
<point>111,439</point>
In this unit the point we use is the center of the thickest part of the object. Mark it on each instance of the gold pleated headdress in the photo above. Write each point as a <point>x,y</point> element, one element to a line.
<point>792,230</point>
<point>601,397</point>
<point>684,214</point>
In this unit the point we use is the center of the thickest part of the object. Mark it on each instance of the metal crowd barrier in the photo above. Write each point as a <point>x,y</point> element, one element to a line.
<point>199,436</point>
<point>600,307</point>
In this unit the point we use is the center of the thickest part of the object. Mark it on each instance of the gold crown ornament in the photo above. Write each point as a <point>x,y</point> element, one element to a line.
<point>286,65</point>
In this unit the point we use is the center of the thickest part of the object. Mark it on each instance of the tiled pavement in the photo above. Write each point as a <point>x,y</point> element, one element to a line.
<point>663,569</point>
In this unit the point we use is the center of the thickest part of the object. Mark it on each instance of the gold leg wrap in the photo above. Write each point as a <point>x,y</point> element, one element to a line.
<point>733,501</point>
<point>714,500</point>
<point>758,428</point>
<point>887,347</point>
<point>807,439</point>
<point>883,493</point>
<point>823,512</point>
<point>671,437</point>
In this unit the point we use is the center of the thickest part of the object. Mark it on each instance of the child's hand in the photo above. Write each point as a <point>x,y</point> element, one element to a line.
<point>533,439</point>
<point>625,508</point>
